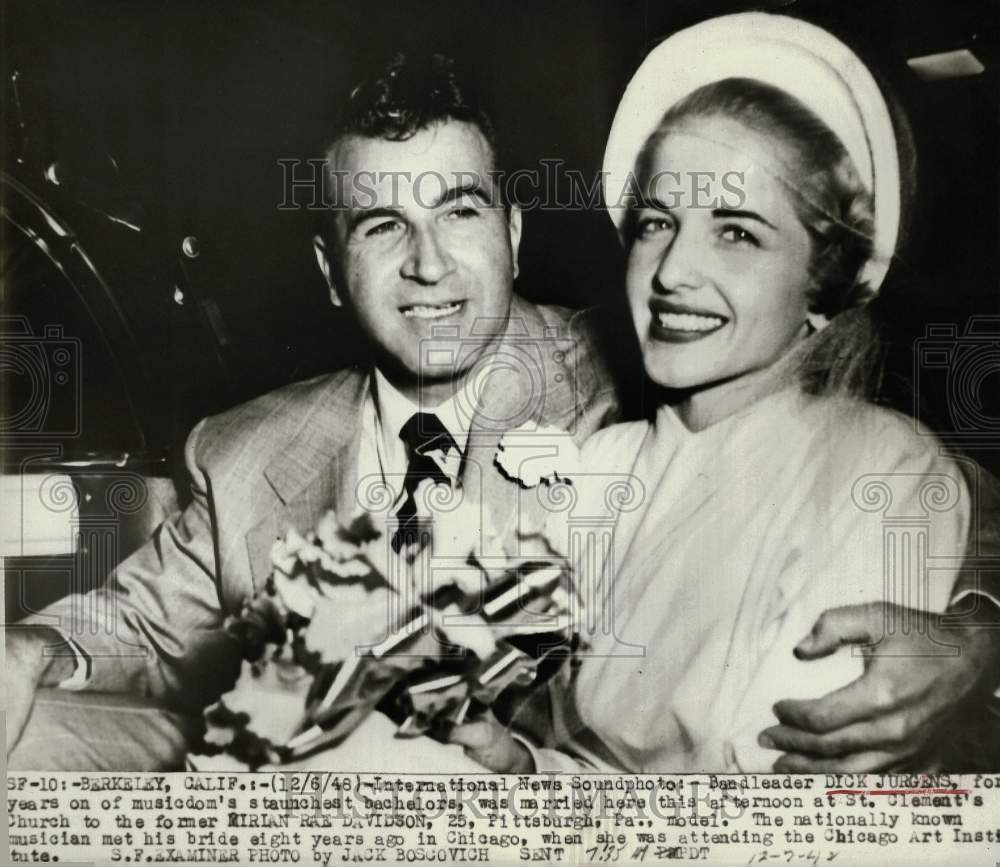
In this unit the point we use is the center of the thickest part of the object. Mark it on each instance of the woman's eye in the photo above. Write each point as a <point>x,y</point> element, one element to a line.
<point>386,228</point>
<point>739,235</point>
<point>649,227</point>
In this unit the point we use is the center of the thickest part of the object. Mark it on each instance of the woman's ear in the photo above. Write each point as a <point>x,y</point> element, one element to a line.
<point>816,322</point>
<point>514,227</point>
<point>323,260</point>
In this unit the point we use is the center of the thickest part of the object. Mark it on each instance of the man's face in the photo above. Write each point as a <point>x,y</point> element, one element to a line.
<point>422,249</point>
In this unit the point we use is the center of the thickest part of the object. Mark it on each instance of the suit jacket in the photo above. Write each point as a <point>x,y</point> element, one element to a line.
<point>280,461</point>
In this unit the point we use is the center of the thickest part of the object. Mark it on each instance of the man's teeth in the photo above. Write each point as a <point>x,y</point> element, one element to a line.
<point>689,321</point>
<point>428,311</point>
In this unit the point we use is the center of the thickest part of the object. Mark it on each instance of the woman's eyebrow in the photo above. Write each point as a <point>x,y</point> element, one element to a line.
<point>749,215</point>
<point>652,203</point>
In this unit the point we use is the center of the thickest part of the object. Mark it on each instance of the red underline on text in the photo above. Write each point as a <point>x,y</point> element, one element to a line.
<point>897,792</point>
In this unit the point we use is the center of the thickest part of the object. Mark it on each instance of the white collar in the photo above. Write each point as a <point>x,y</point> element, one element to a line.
<point>395,409</point>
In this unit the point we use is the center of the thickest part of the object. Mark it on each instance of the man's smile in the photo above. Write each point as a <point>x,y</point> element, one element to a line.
<point>432,311</point>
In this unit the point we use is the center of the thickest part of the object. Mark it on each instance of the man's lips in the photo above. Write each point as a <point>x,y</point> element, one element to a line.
<point>679,323</point>
<point>432,311</point>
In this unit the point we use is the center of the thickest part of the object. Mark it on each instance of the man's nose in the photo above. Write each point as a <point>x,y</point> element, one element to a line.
<point>681,263</point>
<point>427,260</point>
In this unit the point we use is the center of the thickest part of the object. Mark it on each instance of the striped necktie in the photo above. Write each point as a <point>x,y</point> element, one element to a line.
<point>423,433</point>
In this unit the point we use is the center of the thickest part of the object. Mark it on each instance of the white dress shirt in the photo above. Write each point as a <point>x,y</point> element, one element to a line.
<point>382,451</point>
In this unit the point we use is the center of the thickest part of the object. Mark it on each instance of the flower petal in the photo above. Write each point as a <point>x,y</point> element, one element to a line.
<point>347,617</point>
<point>272,693</point>
<point>531,455</point>
<point>296,594</point>
<point>467,630</point>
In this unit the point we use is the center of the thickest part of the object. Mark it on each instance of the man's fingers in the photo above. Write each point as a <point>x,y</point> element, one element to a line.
<point>474,735</point>
<point>896,705</point>
<point>850,624</point>
<point>892,731</point>
<point>861,699</point>
<point>490,744</point>
<point>793,763</point>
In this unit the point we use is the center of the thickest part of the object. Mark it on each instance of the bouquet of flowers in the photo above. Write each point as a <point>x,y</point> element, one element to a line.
<point>334,635</point>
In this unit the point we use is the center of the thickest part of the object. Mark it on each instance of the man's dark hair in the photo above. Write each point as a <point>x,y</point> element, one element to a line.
<point>408,95</point>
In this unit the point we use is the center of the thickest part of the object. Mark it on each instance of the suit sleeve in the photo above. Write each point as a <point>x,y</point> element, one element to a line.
<point>155,627</point>
<point>984,538</point>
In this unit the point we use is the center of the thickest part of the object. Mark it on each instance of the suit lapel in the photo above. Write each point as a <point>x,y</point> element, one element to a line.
<point>316,470</point>
<point>531,383</point>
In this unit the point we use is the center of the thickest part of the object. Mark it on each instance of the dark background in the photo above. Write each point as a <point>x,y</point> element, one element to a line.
<point>173,116</point>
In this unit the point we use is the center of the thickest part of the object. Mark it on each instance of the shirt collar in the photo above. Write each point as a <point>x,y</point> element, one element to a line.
<point>394,409</point>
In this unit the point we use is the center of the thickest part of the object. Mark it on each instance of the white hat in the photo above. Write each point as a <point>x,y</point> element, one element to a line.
<point>799,58</point>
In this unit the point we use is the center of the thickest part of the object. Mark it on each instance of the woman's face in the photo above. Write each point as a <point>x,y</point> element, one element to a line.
<point>718,269</point>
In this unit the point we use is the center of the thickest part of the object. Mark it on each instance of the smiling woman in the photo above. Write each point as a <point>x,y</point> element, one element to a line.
<point>717,295</point>
<point>771,479</point>
<point>779,266</point>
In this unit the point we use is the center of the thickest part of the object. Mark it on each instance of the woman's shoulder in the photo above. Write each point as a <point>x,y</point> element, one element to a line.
<point>855,431</point>
<point>616,445</point>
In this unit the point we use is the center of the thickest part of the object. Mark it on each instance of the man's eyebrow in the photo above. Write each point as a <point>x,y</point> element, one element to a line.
<point>748,215</point>
<point>358,217</point>
<point>470,188</point>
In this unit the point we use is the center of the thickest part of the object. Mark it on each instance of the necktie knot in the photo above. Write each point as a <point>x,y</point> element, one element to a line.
<point>424,432</point>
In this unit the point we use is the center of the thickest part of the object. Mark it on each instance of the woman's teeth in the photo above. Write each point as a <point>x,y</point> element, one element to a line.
<point>429,311</point>
<point>689,321</point>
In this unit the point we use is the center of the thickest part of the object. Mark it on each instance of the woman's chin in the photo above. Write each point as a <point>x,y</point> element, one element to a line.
<point>678,379</point>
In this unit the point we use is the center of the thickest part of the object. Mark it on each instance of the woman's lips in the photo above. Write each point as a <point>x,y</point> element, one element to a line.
<point>677,324</point>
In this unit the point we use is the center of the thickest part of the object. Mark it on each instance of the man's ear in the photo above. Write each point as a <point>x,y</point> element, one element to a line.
<point>514,227</point>
<point>323,260</point>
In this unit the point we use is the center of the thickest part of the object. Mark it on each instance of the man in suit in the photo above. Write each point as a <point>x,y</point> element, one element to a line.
<point>423,254</point>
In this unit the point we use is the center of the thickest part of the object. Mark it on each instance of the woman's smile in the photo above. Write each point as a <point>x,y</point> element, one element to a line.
<point>677,323</point>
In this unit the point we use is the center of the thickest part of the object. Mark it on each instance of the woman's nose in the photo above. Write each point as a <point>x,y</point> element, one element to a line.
<point>681,263</point>
<point>427,261</point>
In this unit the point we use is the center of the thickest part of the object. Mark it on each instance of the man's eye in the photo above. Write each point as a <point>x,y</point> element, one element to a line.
<point>738,235</point>
<point>649,227</point>
<point>462,213</point>
<point>384,228</point>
